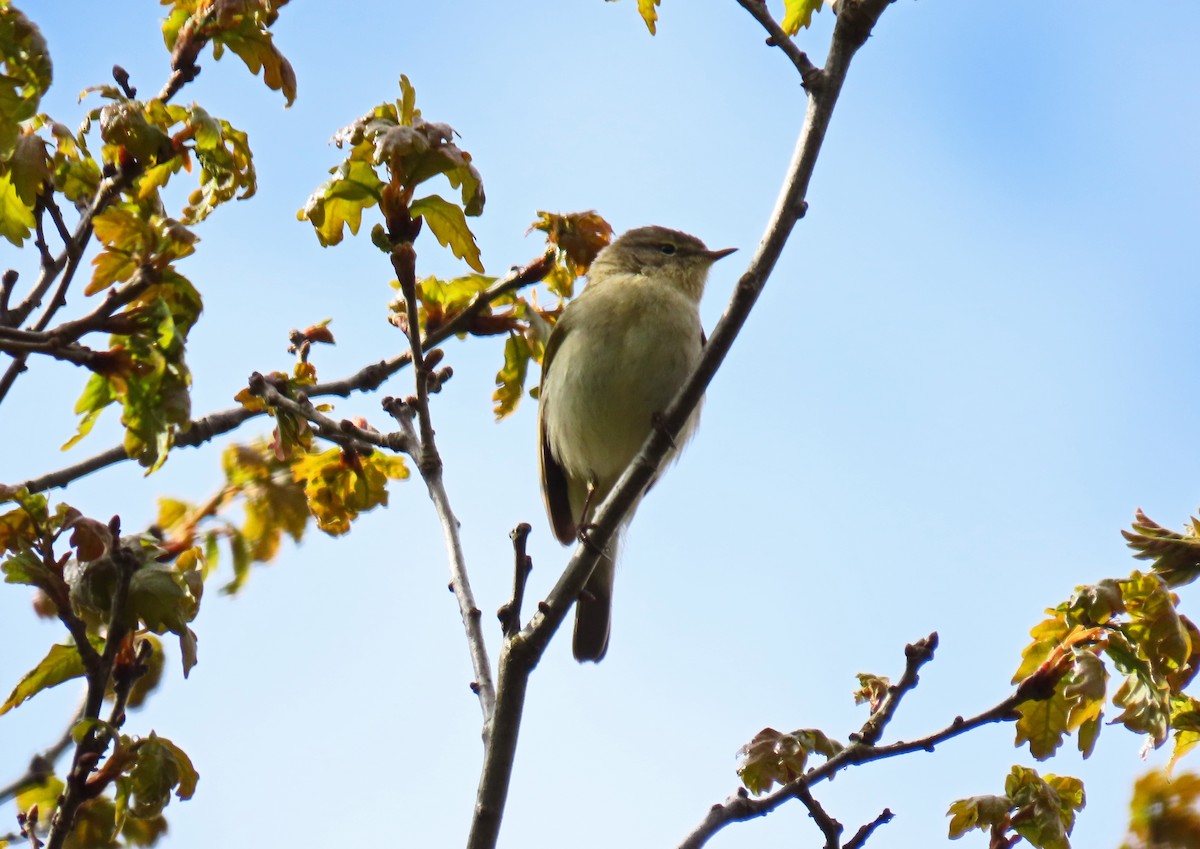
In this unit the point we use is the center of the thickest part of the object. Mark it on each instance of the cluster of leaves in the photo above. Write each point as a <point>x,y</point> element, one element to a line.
<point>242,26</point>
<point>392,151</point>
<point>573,240</point>
<point>1132,624</point>
<point>774,757</point>
<point>105,590</point>
<point>143,772</point>
<point>81,586</point>
<point>144,368</point>
<point>277,494</point>
<point>1039,808</point>
<point>27,74</point>
<point>143,144</point>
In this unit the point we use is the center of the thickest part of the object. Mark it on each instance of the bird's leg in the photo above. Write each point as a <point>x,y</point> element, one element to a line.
<point>585,528</point>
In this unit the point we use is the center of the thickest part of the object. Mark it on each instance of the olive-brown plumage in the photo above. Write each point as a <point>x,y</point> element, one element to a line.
<point>615,359</point>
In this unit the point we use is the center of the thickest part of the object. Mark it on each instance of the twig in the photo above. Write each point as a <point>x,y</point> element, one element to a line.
<point>860,837</point>
<point>344,433</point>
<point>917,655</point>
<point>41,765</point>
<point>366,379</point>
<point>429,462</point>
<point>510,612</point>
<point>809,72</point>
<point>68,262</point>
<point>7,282</point>
<point>831,828</point>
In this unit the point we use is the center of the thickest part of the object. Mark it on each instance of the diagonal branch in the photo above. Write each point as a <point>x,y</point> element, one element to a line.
<point>860,837</point>
<point>521,653</point>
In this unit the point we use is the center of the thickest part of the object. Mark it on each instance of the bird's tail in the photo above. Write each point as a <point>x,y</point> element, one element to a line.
<point>593,610</point>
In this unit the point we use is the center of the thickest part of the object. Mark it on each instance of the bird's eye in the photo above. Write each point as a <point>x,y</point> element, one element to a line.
<point>667,248</point>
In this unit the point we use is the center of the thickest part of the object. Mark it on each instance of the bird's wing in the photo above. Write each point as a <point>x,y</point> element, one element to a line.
<point>554,478</point>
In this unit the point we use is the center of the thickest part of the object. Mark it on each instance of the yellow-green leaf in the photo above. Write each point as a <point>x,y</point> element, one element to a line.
<point>649,14</point>
<point>449,225</point>
<point>61,664</point>
<point>798,13</point>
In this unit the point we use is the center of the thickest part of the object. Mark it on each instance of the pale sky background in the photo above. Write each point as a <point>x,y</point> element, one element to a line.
<point>975,360</point>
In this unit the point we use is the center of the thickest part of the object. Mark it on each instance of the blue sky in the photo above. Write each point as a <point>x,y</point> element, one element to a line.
<point>974,361</point>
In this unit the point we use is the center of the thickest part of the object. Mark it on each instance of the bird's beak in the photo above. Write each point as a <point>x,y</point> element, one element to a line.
<point>713,256</point>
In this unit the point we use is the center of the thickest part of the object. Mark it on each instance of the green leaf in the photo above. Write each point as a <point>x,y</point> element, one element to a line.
<point>1176,556</point>
<point>981,812</point>
<point>798,13</point>
<point>1155,626</point>
<point>25,567</point>
<point>449,224</point>
<point>1043,723</point>
<point>1185,721</point>
<point>27,74</point>
<point>1045,806</point>
<point>340,201</point>
<point>160,767</point>
<point>775,758</point>
<point>510,380</point>
<point>16,218</point>
<point>29,167</point>
<point>340,486</point>
<point>61,664</point>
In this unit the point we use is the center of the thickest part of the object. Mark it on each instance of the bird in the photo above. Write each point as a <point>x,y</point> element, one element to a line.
<point>614,360</point>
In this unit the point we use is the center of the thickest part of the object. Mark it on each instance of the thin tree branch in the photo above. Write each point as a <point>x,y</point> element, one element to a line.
<point>831,828</point>
<point>429,462</point>
<point>739,808</point>
<point>68,262</point>
<point>7,282</point>
<point>917,655</point>
<point>344,433</point>
<point>860,837</point>
<point>510,612</point>
<point>366,379</point>
<point>41,765</point>
<point>809,72</point>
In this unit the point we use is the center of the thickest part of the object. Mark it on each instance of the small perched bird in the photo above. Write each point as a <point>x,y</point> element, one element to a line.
<point>615,359</point>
